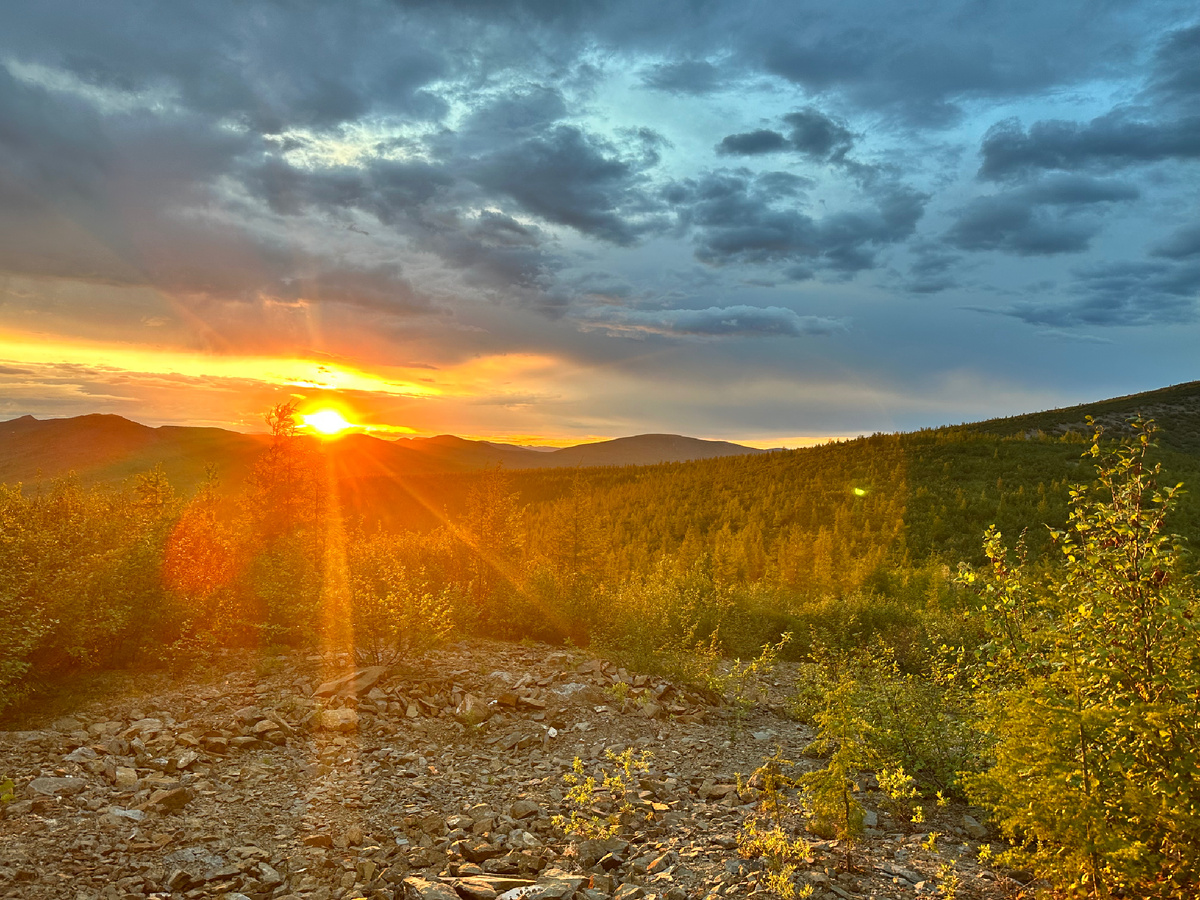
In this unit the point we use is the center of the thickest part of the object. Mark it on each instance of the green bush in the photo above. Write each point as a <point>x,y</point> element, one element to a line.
<point>395,614</point>
<point>79,580</point>
<point>667,623</point>
<point>1094,674</point>
<point>925,727</point>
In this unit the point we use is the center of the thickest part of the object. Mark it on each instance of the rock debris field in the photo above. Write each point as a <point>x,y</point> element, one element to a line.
<point>289,777</point>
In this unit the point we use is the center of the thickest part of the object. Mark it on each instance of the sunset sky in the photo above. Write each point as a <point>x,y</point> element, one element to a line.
<point>559,221</point>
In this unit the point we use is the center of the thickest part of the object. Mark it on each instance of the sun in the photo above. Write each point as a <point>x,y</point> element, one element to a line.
<point>327,422</point>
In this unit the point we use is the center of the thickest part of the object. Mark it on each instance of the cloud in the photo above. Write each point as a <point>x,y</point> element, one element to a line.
<point>1039,219</point>
<point>257,65</point>
<point>752,143</point>
<point>1111,141</point>
<point>737,217</point>
<point>714,322</point>
<point>1183,244</point>
<point>130,199</point>
<point>388,176</point>
<point>1176,73</point>
<point>1073,336</point>
<point>381,287</point>
<point>389,190</point>
<point>568,177</point>
<point>525,113</point>
<point>819,137</point>
<point>687,76</point>
<point>930,272</point>
<point>812,134</point>
<point>920,66</point>
<point>1121,293</point>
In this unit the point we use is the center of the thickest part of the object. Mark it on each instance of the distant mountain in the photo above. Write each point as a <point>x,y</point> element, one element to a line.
<point>645,450</point>
<point>109,448</point>
<point>106,449</point>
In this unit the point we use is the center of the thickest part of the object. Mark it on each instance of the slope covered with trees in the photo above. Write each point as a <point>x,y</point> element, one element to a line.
<point>936,659</point>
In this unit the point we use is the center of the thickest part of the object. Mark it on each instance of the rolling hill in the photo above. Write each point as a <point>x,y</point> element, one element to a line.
<point>1176,409</point>
<point>106,449</point>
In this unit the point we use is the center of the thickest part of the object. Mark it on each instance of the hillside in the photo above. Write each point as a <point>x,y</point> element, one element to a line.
<point>786,517</point>
<point>836,562</point>
<point>1176,409</point>
<point>647,450</point>
<point>107,449</point>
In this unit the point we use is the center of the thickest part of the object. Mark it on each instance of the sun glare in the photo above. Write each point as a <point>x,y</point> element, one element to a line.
<point>327,422</point>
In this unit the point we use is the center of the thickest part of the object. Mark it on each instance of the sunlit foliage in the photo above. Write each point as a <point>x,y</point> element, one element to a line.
<point>1096,711</point>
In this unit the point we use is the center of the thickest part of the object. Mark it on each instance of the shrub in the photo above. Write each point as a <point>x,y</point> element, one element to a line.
<point>395,614</point>
<point>598,809</point>
<point>1095,673</point>
<point>924,727</point>
<point>833,809</point>
<point>667,623</point>
<point>79,580</point>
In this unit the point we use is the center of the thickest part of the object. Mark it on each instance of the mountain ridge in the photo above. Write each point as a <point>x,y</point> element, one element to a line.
<point>108,448</point>
<point>103,447</point>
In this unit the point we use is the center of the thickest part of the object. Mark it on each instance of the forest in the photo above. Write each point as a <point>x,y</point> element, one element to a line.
<point>1000,593</point>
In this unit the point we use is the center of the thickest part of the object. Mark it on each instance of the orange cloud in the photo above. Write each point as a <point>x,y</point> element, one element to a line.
<point>320,374</point>
<point>62,363</point>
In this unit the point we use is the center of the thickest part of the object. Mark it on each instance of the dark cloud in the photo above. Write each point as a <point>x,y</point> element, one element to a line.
<point>683,77</point>
<point>498,254</point>
<point>518,116</point>
<point>922,69</point>
<point>1040,219</point>
<point>570,178</point>
<point>818,136</point>
<point>389,190</point>
<point>382,287</point>
<point>1176,75</point>
<point>1183,244</point>
<point>1122,293</point>
<point>752,143</point>
<point>931,271</point>
<point>101,199</point>
<point>260,65</point>
<point>812,134</point>
<point>492,250</point>
<point>58,152</point>
<point>714,322</point>
<point>1110,141</point>
<point>1012,225</point>
<point>782,184</point>
<point>799,273</point>
<point>737,218</point>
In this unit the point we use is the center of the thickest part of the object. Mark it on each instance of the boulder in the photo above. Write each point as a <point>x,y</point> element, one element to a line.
<point>974,828</point>
<point>472,710</point>
<point>356,683</point>
<point>420,889</point>
<point>54,787</point>
<point>344,720</point>
<point>524,809</point>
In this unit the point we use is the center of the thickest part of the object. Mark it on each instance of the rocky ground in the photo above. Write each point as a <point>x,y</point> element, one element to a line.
<point>289,777</point>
